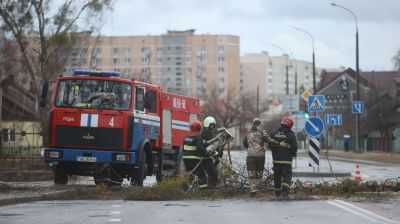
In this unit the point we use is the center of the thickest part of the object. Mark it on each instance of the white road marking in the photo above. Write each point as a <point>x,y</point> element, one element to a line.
<point>115,206</point>
<point>115,212</point>
<point>360,212</point>
<point>115,220</point>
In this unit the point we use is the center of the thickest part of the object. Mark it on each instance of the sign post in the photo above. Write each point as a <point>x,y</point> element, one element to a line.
<point>314,127</point>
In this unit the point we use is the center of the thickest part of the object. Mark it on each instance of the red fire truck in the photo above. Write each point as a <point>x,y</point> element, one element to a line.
<point>112,128</point>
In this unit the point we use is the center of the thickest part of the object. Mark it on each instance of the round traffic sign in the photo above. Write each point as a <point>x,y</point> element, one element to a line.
<point>314,126</point>
<point>299,122</point>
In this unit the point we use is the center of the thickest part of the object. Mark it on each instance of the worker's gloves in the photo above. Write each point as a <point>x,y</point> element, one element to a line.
<point>284,145</point>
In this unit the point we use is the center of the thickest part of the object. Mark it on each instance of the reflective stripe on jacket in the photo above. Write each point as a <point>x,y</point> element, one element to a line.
<point>193,147</point>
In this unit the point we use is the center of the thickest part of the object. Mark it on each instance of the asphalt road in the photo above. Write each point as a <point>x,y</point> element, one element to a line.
<point>164,212</point>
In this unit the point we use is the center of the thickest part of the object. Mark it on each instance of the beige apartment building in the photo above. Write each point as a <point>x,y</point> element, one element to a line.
<point>269,73</point>
<point>181,61</point>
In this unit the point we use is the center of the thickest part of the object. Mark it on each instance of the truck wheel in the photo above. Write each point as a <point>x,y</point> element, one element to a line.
<point>60,174</point>
<point>140,172</point>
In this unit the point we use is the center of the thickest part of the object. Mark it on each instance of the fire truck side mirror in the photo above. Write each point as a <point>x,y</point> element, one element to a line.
<point>43,96</point>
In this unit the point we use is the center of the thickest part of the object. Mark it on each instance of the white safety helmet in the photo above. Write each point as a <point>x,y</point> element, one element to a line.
<point>257,121</point>
<point>208,121</point>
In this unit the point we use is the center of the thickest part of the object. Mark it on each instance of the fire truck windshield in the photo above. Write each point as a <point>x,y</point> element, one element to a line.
<point>98,94</point>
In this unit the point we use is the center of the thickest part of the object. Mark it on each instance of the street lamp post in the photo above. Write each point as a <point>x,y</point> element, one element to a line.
<point>313,56</point>
<point>357,74</point>
<point>287,67</point>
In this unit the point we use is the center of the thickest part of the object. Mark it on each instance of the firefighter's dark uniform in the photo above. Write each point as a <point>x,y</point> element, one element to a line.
<point>282,160</point>
<point>209,163</point>
<point>193,153</point>
<point>255,160</point>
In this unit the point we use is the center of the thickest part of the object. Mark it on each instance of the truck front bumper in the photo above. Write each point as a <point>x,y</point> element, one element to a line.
<point>52,155</point>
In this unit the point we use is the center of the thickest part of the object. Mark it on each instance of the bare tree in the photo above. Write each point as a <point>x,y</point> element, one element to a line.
<point>396,60</point>
<point>42,33</point>
<point>231,110</point>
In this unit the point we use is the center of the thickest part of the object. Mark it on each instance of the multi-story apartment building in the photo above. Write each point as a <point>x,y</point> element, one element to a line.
<point>269,73</point>
<point>180,61</point>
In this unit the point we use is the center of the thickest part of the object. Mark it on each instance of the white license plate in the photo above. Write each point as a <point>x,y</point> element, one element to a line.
<point>86,159</point>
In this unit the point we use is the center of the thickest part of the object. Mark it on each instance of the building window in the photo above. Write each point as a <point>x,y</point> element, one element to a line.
<point>221,49</point>
<point>145,70</point>
<point>159,60</point>
<point>127,71</point>
<point>178,48</point>
<point>97,50</point>
<point>221,80</point>
<point>201,60</point>
<point>127,50</point>
<point>97,61</point>
<point>201,49</point>
<point>188,61</point>
<point>116,50</point>
<point>145,60</point>
<point>221,60</point>
<point>84,51</point>
<point>8,135</point>
<point>189,70</point>
<point>84,61</point>
<point>221,90</point>
<point>127,61</point>
<point>188,49</point>
<point>115,61</point>
<point>159,49</point>
<point>221,69</point>
<point>117,70</point>
<point>145,50</point>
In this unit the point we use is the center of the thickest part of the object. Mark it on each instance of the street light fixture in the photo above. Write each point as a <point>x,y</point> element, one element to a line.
<point>287,67</point>
<point>357,73</point>
<point>313,56</point>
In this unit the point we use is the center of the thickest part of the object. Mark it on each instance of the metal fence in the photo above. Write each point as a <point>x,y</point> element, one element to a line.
<point>20,148</point>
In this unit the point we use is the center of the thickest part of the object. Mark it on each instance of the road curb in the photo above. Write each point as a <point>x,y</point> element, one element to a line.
<point>325,174</point>
<point>59,195</point>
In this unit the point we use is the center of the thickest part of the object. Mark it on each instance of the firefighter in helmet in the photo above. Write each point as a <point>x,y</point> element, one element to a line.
<point>193,153</point>
<point>208,132</point>
<point>254,142</point>
<point>282,157</point>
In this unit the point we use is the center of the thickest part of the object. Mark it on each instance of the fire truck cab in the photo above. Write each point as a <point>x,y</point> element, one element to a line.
<point>112,128</point>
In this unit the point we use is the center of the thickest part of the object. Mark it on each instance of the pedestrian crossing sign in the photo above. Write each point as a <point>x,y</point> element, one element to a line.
<point>316,103</point>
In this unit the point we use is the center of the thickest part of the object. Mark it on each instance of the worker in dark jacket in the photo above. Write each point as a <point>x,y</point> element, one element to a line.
<point>254,142</point>
<point>282,157</point>
<point>194,152</point>
<point>209,132</point>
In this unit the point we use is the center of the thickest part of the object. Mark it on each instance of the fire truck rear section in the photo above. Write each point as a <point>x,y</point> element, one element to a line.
<point>113,128</point>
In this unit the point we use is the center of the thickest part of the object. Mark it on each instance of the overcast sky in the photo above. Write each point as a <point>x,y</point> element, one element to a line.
<point>260,22</point>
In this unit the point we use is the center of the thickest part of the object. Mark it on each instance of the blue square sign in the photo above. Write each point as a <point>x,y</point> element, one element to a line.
<point>333,119</point>
<point>357,107</point>
<point>316,103</point>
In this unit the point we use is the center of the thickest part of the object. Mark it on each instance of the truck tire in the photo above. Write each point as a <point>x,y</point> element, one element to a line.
<point>60,174</point>
<point>140,172</point>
